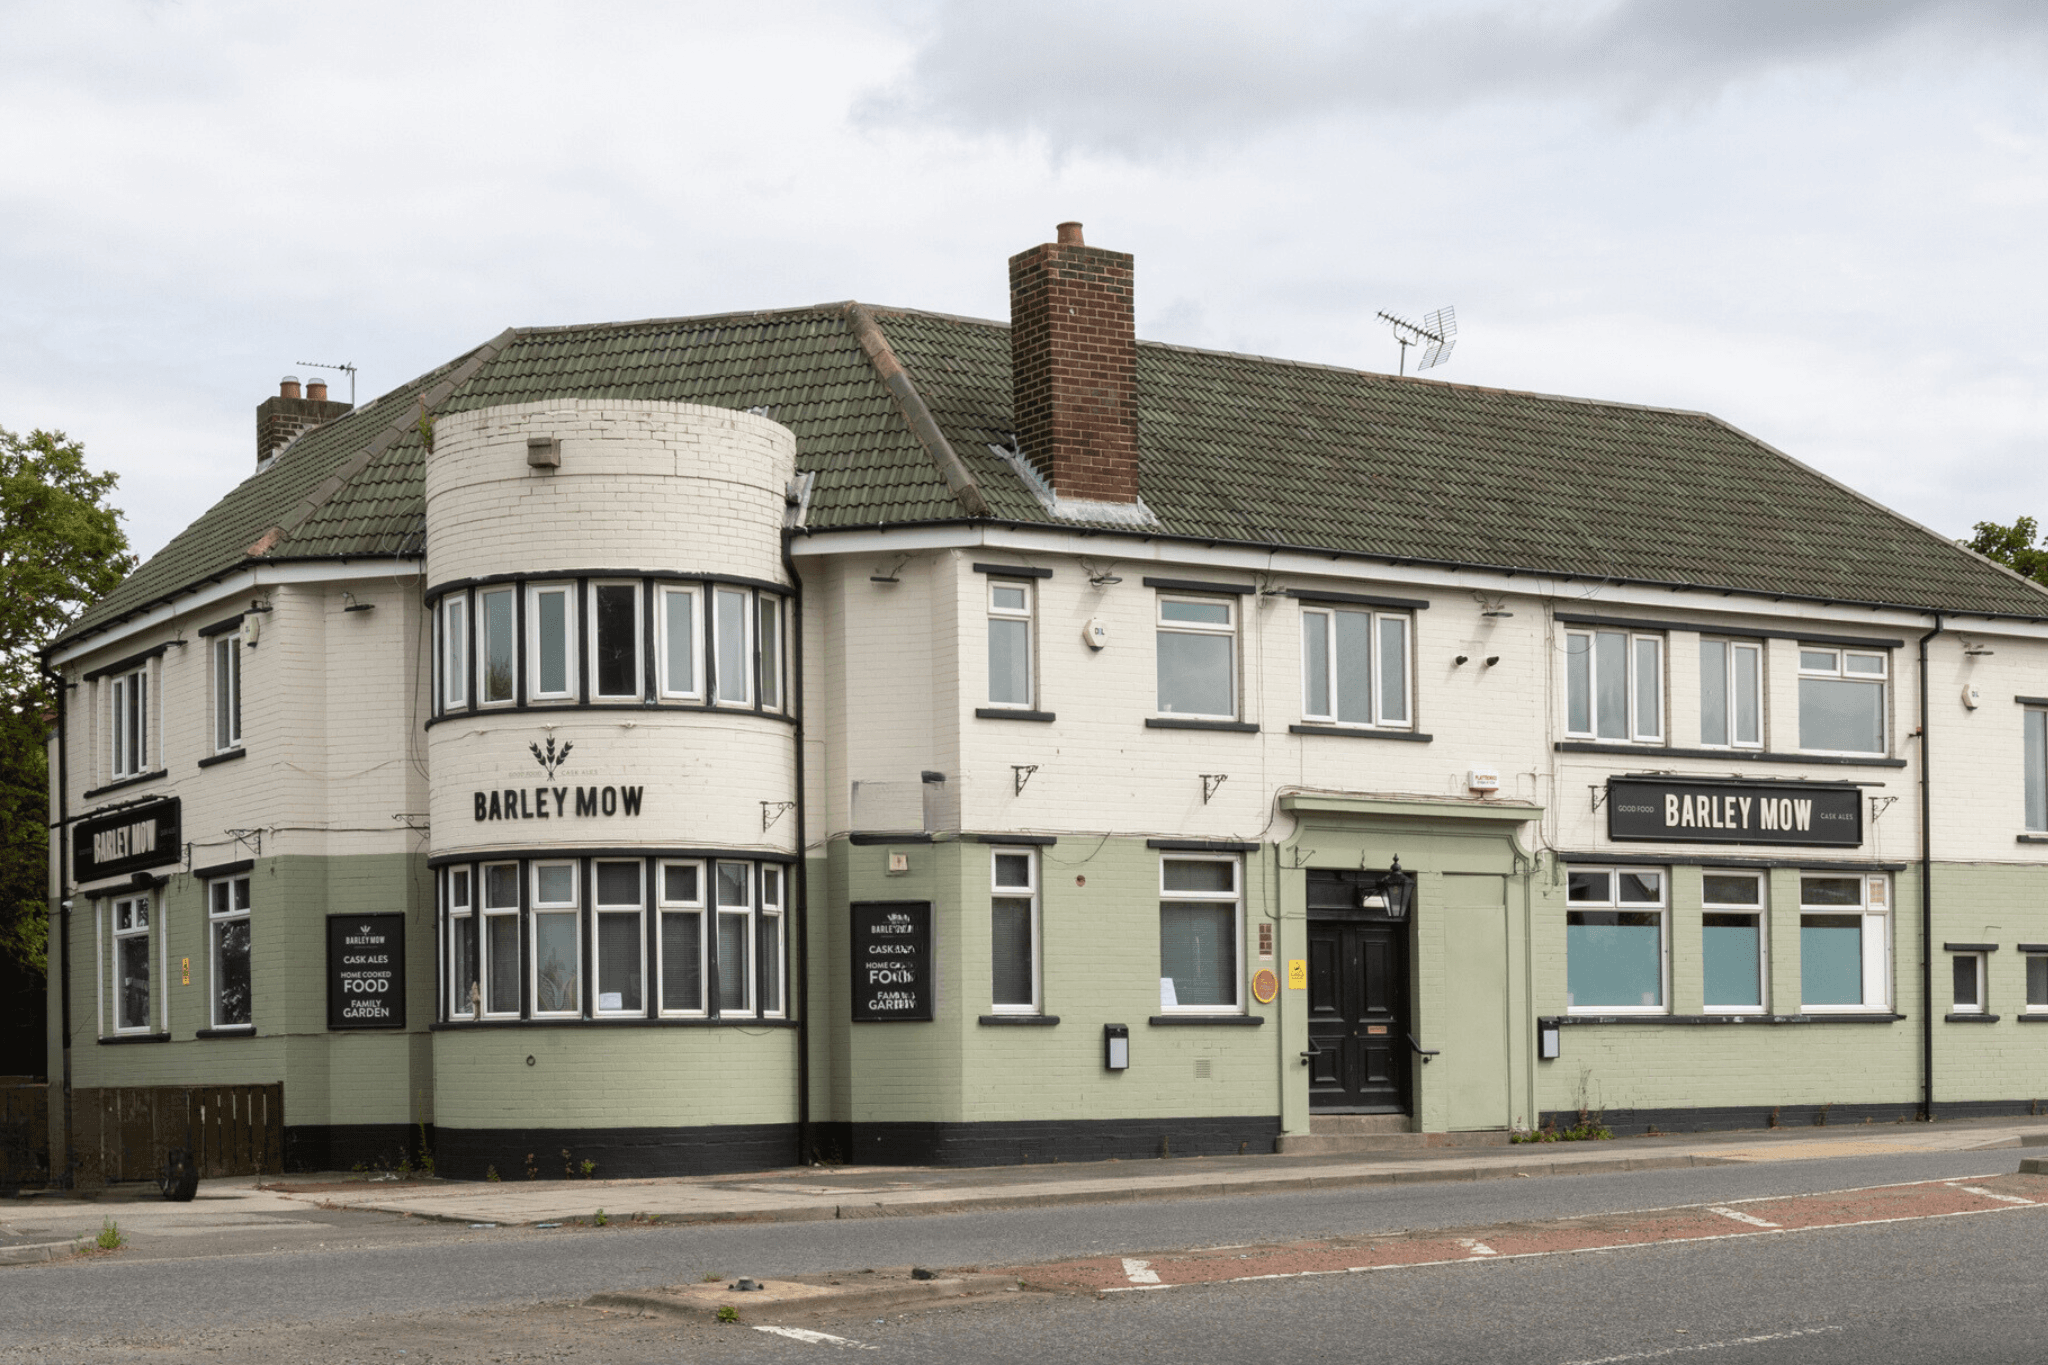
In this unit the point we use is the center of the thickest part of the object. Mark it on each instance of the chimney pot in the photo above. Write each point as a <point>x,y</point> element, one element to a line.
<point>288,387</point>
<point>1070,234</point>
<point>316,389</point>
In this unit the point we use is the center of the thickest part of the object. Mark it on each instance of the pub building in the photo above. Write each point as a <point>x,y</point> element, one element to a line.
<point>703,744</point>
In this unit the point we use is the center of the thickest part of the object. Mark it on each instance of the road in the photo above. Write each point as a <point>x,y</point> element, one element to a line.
<point>345,1286</point>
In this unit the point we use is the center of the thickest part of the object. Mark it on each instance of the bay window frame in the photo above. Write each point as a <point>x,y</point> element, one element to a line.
<point>484,636</point>
<point>743,911</point>
<point>2034,768</point>
<point>667,905</point>
<point>771,940</point>
<point>452,616</point>
<point>693,636</point>
<point>723,667</point>
<point>493,918</point>
<point>600,908</point>
<point>636,636</point>
<point>536,689</point>
<point>461,910</point>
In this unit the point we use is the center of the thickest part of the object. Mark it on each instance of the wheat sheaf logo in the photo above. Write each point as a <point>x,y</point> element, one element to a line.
<point>548,758</point>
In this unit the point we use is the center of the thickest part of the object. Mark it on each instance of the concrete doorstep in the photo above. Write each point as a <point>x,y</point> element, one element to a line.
<point>807,1295</point>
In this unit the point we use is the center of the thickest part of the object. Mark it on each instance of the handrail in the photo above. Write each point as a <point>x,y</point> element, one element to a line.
<point>1425,1052</point>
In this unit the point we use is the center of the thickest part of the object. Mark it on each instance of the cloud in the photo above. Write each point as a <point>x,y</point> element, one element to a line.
<point>1149,75</point>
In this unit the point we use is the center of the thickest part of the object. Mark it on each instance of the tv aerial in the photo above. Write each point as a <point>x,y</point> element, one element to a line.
<point>1437,333</point>
<point>349,370</point>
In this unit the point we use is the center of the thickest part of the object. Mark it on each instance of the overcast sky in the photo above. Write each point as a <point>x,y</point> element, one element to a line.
<point>1820,219</point>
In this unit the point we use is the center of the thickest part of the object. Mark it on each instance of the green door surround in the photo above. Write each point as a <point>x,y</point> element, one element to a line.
<point>1446,844</point>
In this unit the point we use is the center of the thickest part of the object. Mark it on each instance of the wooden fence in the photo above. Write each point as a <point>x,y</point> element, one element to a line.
<point>24,1133</point>
<point>124,1133</point>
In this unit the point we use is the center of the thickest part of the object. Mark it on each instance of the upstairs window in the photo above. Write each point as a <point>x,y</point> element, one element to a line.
<point>1009,643</point>
<point>129,719</point>
<point>1354,667</point>
<point>1614,686</point>
<point>1841,700</point>
<point>733,678</point>
<point>1731,694</point>
<point>771,614</point>
<point>497,647</point>
<point>1197,649</point>
<point>2036,767</point>
<point>454,651</point>
<point>227,693</point>
<point>677,622</point>
<point>551,651</point>
<point>615,641</point>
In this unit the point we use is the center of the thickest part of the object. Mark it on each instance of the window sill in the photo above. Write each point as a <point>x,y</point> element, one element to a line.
<point>225,756</point>
<point>1009,713</point>
<point>464,1025</point>
<point>234,1031</point>
<point>2032,839</point>
<point>1243,727</point>
<point>113,1038</point>
<point>1353,732</point>
<point>136,780</point>
<point>1687,1019</point>
<point>1018,1020</point>
<point>667,706</point>
<point>1969,1018</point>
<point>1227,1020</point>
<point>1580,746</point>
<point>2033,1017</point>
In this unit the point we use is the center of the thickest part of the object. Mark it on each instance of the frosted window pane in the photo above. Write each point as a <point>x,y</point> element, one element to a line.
<point>1394,671</point>
<point>679,640</point>
<point>1728,960</point>
<point>1611,674</point>
<point>1748,696</point>
<point>1578,667</point>
<point>1354,666</point>
<point>1198,952</point>
<point>557,885</point>
<point>733,664</point>
<point>1831,959</point>
<point>1614,958</point>
<point>1194,675</point>
<point>1713,692</point>
<point>556,963</point>
<point>1208,613</point>
<point>503,986</point>
<point>1009,662</point>
<point>2037,770</point>
<point>1649,689</point>
<point>1846,717</point>
<point>1315,664</point>
<point>553,664</point>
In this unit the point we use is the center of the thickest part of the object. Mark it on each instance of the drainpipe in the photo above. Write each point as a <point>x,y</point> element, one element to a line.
<point>63,905</point>
<point>802,990</point>
<point>1926,894</point>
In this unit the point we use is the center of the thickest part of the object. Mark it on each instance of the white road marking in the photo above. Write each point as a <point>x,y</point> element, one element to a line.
<point>1140,1272</point>
<point>1709,1346</point>
<point>814,1338</point>
<point>1992,1194</point>
<point>1750,1219</point>
<point>1477,1248</point>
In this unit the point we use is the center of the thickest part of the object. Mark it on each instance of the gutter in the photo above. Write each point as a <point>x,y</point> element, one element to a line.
<point>801,987</point>
<point>1926,893</point>
<point>63,910</point>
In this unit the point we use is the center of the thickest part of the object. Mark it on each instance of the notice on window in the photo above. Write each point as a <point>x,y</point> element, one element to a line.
<point>892,961</point>
<point>365,971</point>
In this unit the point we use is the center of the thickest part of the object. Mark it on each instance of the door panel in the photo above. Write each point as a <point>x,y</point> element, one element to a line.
<point>1473,1070</point>
<point>1358,1015</point>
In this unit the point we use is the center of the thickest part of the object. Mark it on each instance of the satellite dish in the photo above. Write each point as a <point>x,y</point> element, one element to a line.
<point>1437,333</point>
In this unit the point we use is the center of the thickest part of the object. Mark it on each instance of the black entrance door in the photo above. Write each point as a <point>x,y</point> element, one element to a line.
<point>1357,1015</point>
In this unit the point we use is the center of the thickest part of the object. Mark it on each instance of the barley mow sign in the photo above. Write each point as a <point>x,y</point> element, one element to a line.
<point>892,961</point>
<point>1676,811</point>
<point>365,971</point>
<point>140,836</point>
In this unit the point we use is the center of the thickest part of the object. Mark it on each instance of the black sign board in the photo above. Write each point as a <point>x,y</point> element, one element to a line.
<point>1677,811</point>
<point>127,840</point>
<point>892,961</point>
<point>365,971</point>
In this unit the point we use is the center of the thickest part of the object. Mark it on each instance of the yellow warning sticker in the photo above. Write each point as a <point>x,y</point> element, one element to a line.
<point>1297,973</point>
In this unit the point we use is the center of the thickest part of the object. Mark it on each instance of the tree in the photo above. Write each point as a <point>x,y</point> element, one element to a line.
<point>61,547</point>
<point>2014,547</point>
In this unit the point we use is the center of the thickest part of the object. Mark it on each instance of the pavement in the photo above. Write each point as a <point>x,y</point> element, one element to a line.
<point>50,1225</point>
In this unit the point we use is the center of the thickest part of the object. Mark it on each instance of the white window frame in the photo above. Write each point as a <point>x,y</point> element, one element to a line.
<point>147,931</point>
<point>771,938</point>
<point>744,912</point>
<point>1638,728</point>
<point>2027,994</point>
<point>2034,766</point>
<point>698,906</point>
<point>1028,615</point>
<point>463,908</point>
<point>1731,649</point>
<point>1236,900</point>
<point>771,650</point>
<point>599,908</point>
<point>482,661</point>
<point>536,909</point>
<point>570,653</point>
<point>1763,937</point>
<point>1322,618</point>
<point>225,660</point>
<point>690,688</point>
<point>1875,908</point>
<point>721,686</point>
<point>1841,672</point>
<point>217,920</point>
<point>128,733</point>
<point>1233,615</point>
<point>1001,890</point>
<point>1980,963</point>
<point>455,679</point>
<point>1661,906</point>
<point>639,643</point>
<point>486,914</point>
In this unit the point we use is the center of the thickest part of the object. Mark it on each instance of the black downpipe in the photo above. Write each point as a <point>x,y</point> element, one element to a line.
<point>1926,893</point>
<point>796,703</point>
<point>63,905</point>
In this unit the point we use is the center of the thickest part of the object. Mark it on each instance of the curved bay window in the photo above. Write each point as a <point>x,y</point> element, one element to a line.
<point>567,938</point>
<point>607,639</point>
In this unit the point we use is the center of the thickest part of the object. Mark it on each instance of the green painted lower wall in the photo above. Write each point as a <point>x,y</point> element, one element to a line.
<point>600,1076</point>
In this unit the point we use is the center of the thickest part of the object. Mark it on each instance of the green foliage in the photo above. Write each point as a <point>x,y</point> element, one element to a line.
<point>61,547</point>
<point>728,1313</point>
<point>1587,1129</point>
<point>2013,546</point>
<point>600,1220</point>
<point>110,1238</point>
<point>491,1174</point>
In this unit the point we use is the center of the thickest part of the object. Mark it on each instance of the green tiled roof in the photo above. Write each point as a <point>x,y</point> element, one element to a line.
<point>1233,448</point>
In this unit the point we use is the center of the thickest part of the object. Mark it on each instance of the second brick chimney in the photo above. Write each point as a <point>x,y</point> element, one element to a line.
<point>281,420</point>
<point>1074,367</point>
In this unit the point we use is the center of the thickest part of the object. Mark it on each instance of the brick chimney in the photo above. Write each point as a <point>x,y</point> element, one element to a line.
<point>282,419</point>
<point>1074,367</point>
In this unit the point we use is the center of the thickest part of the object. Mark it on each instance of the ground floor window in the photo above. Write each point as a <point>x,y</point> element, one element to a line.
<point>1732,941</point>
<point>1013,931</point>
<point>1615,940</point>
<point>2037,983</point>
<point>131,964</point>
<point>1201,922</point>
<point>610,937</point>
<point>1844,943</point>
<point>1967,972</point>
<point>227,926</point>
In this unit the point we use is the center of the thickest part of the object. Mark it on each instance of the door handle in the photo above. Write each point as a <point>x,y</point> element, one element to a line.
<point>1313,1051</point>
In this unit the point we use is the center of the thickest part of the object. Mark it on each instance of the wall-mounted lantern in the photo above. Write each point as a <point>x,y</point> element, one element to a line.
<point>1392,892</point>
<point>1116,1047</point>
<point>1549,1040</point>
